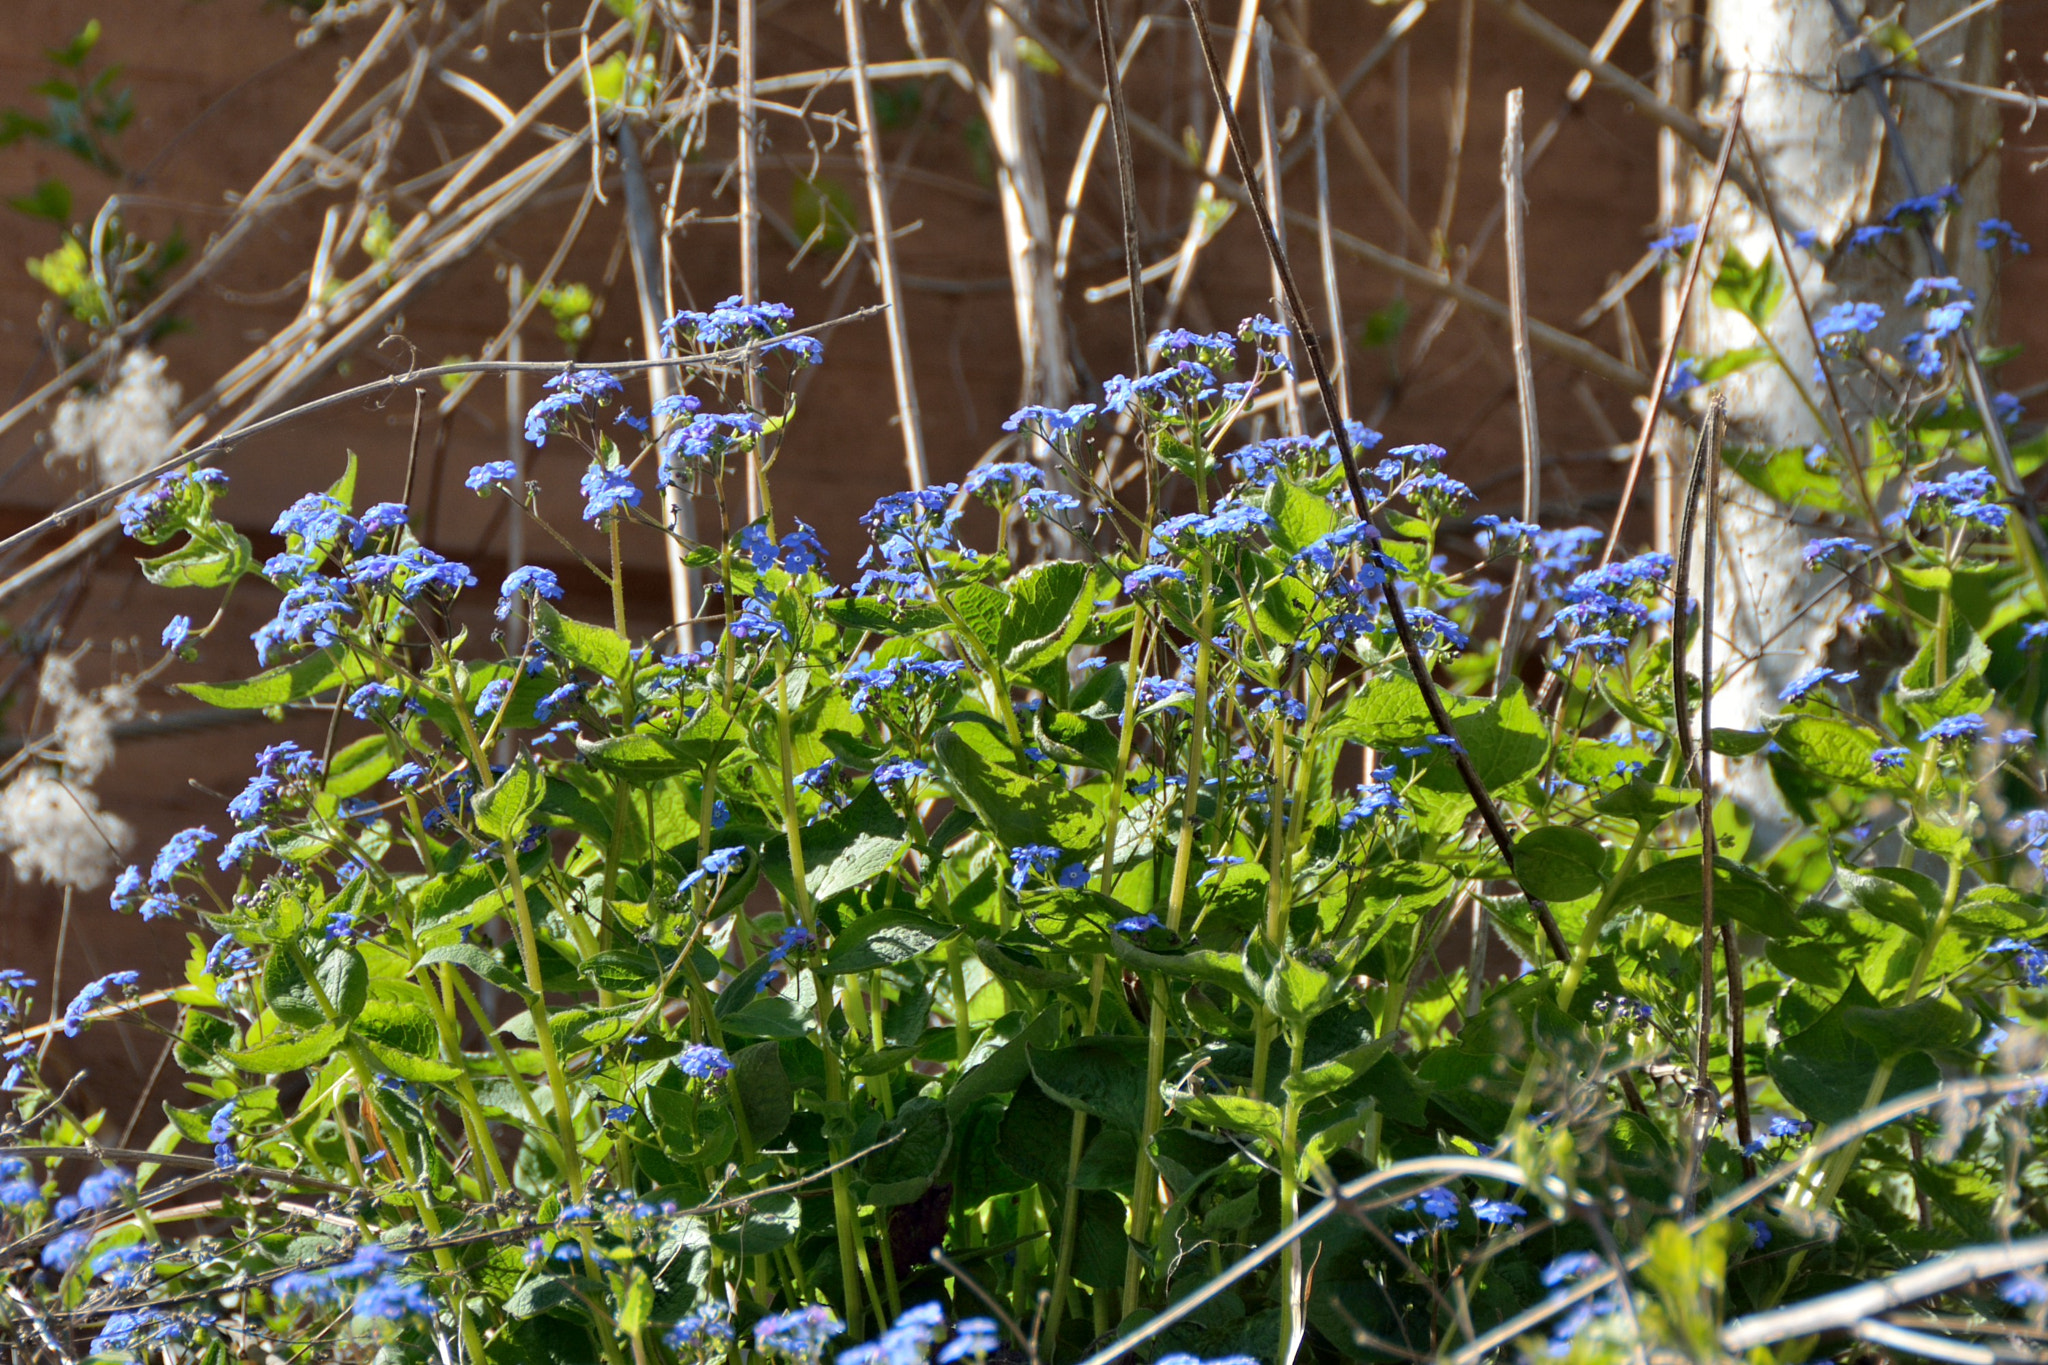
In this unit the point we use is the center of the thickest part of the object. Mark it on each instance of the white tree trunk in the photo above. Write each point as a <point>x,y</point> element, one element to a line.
<point>1825,160</point>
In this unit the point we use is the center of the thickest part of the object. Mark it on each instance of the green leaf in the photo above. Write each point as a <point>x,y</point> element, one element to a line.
<point>763,1090</point>
<point>1838,750</point>
<point>595,647</point>
<point>50,201</point>
<point>343,977</point>
<point>1825,1070</point>
<point>1297,991</point>
<point>275,687</point>
<point>411,1066</point>
<point>1645,802</point>
<point>473,959</point>
<point>197,564</point>
<point>1049,608</point>
<point>846,850</point>
<point>288,1054</point>
<point>1096,1076</point>
<point>883,940</point>
<point>1236,1113</point>
<point>503,807</point>
<point>767,1224</point>
<point>919,1138</point>
<point>1755,291</point>
<point>1001,1059</point>
<point>1673,889</point>
<point>1011,797</point>
<point>1559,863</point>
<point>398,1024</point>
<point>1896,895</point>
<point>1784,476</point>
<point>1506,740</point>
<point>1299,516</point>
<point>639,757</point>
<point>359,767</point>
<point>1388,711</point>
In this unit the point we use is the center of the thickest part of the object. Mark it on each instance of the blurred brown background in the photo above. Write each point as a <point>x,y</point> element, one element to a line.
<point>221,86</point>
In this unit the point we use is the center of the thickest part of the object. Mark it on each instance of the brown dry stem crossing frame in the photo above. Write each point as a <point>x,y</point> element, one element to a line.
<point>1489,813</point>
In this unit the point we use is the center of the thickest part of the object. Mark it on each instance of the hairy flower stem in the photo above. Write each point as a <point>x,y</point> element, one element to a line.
<point>423,1200</point>
<point>852,1252</point>
<point>1070,1200</point>
<point>1145,1181</point>
<point>1836,1172</point>
<point>543,1030</point>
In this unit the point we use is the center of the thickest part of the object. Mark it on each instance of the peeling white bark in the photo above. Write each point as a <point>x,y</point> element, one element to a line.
<point>1825,160</point>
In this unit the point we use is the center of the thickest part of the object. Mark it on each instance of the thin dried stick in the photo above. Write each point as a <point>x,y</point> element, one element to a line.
<point>1515,204</point>
<point>1269,169</point>
<point>1454,150</point>
<point>750,226</point>
<point>1199,228</point>
<point>1489,814</point>
<point>1575,351</point>
<point>1662,377</point>
<point>1126,174</point>
<point>1706,461</point>
<point>206,451</point>
<point>644,246</point>
<point>885,249</point>
<point>1333,303</point>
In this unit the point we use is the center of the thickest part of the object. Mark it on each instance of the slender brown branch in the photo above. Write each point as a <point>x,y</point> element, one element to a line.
<point>1489,814</point>
<point>1662,377</point>
<point>1514,206</point>
<point>1126,177</point>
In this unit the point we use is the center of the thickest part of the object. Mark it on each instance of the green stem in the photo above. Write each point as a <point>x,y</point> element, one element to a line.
<point>852,1255</point>
<point>1145,1181</point>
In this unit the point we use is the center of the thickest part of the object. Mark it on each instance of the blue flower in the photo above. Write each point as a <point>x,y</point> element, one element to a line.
<point>1963,729</point>
<point>1889,759</point>
<point>1146,581</point>
<point>974,1337</point>
<point>1831,550</point>
<point>1676,240</point>
<point>1923,208</point>
<point>407,774</point>
<point>177,632</point>
<point>243,846</point>
<point>567,693</point>
<point>2023,1291</point>
<point>1032,859</point>
<point>1685,377</point>
<point>798,1336</point>
<point>318,519</point>
<point>176,854</point>
<point>495,472</point>
<point>1497,1211</point>
<point>1806,683</point>
<point>1993,231</point>
<point>704,1062</point>
<point>607,490</point>
<point>1781,1127</point>
<point>493,696</point>
<point>1136,924</point>
<point>1438,1203</point>
<point>997,483</point>
<point>66,1249</point>
<point>732,320</point>
<point>900,770</point>
<point>374,699</point>
<point>1847,322</point>
<point>83,1003</point>
<point>529,579</point>
<point>705,438</point>
<point>703,1334</point>
<point>1052,421</point>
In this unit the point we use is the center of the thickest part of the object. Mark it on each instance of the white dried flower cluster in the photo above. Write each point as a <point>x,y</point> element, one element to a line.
<point>123,430</point>
<point>51,824</point>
